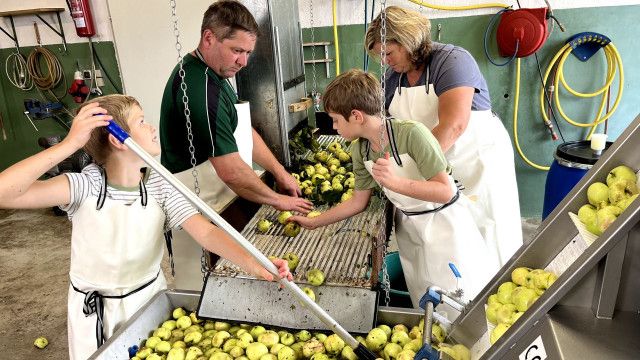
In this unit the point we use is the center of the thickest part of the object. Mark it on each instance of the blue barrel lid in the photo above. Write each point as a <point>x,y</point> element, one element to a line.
<point>578,152</point>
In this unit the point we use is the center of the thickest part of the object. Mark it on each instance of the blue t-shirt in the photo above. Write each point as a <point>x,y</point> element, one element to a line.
<point>449,67</point>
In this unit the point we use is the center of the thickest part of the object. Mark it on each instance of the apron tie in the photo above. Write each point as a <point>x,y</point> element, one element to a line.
<point>102,196</point>
<point>441,207</point>
<point>94,304</point>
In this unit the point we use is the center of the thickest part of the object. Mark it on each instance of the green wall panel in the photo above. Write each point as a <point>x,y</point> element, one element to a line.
<point>22,138</point>
<point>618,23</point>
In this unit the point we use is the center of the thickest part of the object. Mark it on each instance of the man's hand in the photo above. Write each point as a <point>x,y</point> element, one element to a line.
<point>292,203</point>
<point>305,222</point>
<point>287,184</point>
<point>383,173</point>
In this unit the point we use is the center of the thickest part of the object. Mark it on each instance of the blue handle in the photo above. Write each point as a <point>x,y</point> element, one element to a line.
<point>455,270</point>
<point>117,131</point>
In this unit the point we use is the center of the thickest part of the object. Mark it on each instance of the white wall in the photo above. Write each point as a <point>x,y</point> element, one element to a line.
<point>26,33</point>
<point>352,11</point>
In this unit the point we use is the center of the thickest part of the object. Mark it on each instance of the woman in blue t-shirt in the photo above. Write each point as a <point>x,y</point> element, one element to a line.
<point>441,86</point>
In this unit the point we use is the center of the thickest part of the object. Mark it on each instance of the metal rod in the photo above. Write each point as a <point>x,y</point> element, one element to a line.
<point>235,235</point>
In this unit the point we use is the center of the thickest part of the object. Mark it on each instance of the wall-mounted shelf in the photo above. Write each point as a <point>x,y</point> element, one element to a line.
<point>37,12</point>
<point>326,60</point>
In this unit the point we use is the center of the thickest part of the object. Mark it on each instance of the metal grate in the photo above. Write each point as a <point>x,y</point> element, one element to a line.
<point>343,251</point>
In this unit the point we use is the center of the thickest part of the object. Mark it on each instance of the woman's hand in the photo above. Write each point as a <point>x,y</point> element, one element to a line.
<point>283,270</point>
<point>305,222</point>
<point>89,117</point>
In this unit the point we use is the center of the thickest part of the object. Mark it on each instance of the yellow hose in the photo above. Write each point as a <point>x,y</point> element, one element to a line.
<point>466,7</point>
<point>335,36</point>
<point>613,61</point>
<point>515,123</point>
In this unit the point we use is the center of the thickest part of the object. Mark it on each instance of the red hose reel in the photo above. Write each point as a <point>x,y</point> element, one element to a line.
<point>523,29</point>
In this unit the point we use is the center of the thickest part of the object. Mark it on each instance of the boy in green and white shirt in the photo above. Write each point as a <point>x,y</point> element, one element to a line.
<point>434,224</point>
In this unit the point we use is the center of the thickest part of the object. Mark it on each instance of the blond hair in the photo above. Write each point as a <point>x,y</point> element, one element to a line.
<point>405,27</point>
<point>119,107</point>
<point>353,90</point>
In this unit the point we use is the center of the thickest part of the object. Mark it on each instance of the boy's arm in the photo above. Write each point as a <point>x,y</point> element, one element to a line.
<point>19,185</point>
<point>217,241</point>
<point>357,204</point>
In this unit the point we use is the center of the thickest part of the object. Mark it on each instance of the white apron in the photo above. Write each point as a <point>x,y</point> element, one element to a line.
<point>428,242</point>
<point>482,159</point>
<point>217,195</point>
<point>114,251</point>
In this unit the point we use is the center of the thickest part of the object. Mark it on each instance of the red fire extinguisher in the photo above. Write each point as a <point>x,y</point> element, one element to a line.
<point>82,18</point>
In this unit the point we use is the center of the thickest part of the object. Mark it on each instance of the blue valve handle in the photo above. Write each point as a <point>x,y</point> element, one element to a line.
<point>117,131</point>
<point>453,268</point>
<point>431,296</point>
<point>427,352</point>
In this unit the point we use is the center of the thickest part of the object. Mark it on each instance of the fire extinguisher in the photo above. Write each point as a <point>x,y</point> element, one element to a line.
<point>82,18</point>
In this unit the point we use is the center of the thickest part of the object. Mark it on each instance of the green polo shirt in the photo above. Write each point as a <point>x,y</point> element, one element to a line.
<point>412,138</point>
<point>212,113</point>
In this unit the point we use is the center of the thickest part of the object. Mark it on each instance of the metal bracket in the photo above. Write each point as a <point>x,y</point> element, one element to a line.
<point>326,60</point>
<point>608,281</point>
<point>36,12</point>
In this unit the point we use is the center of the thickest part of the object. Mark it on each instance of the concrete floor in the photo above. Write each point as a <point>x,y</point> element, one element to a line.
<point>34,266</point>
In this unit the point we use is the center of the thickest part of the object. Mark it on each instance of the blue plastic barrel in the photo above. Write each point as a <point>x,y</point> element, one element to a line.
<point>572,160</point>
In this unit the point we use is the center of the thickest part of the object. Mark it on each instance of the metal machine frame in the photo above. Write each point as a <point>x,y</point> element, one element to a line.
<point>591,311</point>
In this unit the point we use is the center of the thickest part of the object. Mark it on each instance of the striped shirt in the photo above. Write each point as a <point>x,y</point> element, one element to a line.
<point>88,182</point>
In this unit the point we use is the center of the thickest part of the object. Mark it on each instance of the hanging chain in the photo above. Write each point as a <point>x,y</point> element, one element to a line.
<point>315,95</point>
<point>383,116</point>
<point>204,268</point>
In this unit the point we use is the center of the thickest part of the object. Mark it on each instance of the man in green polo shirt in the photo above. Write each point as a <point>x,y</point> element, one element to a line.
<point>224,144</point>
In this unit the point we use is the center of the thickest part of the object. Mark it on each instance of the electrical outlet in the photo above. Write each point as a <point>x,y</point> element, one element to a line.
<point>86,74</point>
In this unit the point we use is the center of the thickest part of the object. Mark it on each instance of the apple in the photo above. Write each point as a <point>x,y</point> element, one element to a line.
<point>178,344</point>
<point>376,339</point>
<point>504,292</point>
<point>244,339</point>
<point>515,316</point>
<point>237,351</point>
<point>154,356</point>
<point>320,336</point>
<point>405,355</point>
<point>519,275</point>
<point>178,313</point>
<point>309,293</point>
<point>221,325</point>
<point>319,356</point>
<point>292,229</point>
<point>292,260</point>
<point>283,216</point>
<point>386,329</point>
<point>497,332</point>
<point>193,337</point>
<point>504,312</point>
<point>621,172</point>
<point>219,355</point>
<point>446,349</point>
<point>438,334</point>
<point>257,331</point>
<point>163,333</point>
<point>348,354</point>
<point>491,312</point>
<point>287,338</point>
<point>41,342</point>
<point>263,225</point>
<point>415,333</point>
<point>275,348</point>
<point>604,218</point>
<point>219,338</point>
<point>462,352</point>
<point>169,325</point>
<point>524,298</point>
<point>312,347</point>
<point>313,214</point>
<point>333,344</point>
<point>587,213</point>
<point>303,335</point>
<point>346,196</point>
<point>315,277</point>
<point>413,345</point>
<point>297,347</point>
<point>176,354</point>
<point>391,351</point>
<point>255,350</point>
<point>400,327</point>
<point>163,347</point>
<point>400,337</point>
<point>624,204</point>
<point>193,353</point>
<point>492,299</point>
<point>269,338</point>
<point>598,194</point>
<point>144,352</point>
<point>286,353</point>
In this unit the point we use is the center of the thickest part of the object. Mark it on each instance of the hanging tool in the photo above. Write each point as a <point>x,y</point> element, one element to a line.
<point>359,349</point>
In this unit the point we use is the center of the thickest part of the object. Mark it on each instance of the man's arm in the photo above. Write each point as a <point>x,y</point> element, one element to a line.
<point>263,157</point>
<point>243,181</point>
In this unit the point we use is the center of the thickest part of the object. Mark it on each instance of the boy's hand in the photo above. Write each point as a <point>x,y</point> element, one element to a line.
<point>90,117</point>
<point>305,222</point>
<point>383,171</point>
<point>283,270</point>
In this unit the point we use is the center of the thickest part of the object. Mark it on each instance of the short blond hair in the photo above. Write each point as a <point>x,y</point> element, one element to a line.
<point>353,90</point>
<point>405,27</point>
<point>119,107</point>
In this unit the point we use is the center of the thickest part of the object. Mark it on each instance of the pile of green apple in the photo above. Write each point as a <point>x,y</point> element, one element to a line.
<point>290,229</point>
<point>515,297</point>
<point>608,201</point>
<point>185,337</point>
<point>325,177</point>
